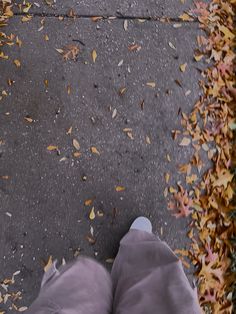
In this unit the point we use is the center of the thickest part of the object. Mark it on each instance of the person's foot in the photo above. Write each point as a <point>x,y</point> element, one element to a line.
<point>143,224</point>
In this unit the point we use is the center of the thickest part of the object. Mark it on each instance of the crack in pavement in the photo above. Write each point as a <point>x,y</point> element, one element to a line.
<point>119,16</point>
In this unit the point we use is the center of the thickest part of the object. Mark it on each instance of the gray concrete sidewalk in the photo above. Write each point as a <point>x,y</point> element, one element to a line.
<point>46,190</point>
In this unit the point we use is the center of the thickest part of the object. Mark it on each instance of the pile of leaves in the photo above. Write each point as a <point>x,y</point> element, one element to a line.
<point>210,128</point>
<point>5,14</point>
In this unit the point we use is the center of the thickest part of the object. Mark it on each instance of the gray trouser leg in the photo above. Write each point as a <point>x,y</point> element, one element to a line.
<point>148,278</point>
<point>83,287</point>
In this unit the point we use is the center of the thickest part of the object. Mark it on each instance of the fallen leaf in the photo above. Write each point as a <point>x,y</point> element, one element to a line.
<point>171,45</point>
<point>167,177</point>
<point>120,188</point>
<point>224,179</point>
<point>183,67</point>
<point>88,202</point>
<point>48,264</point>
<point>94,55</point>
<point>70,52</point>
<point>52,147</point>
<point>94,150</point>
<point>198,57</point>
<point>96,18</point>
<point>148,140</point>
<point>76,144</point>
<point>122,91</point>
<point>17,63</point>
<point>69,131</point>
<point>134,47</point>
<point>125,25</point>
<point>77,154</point>
<point>185,141</point>
<point>185,17</point>
<point>151,84</point>
<point>28,119</point>
<point>114,113</point>
<point>61,51</point>
<point>92,214</point>
<point>22,309</point>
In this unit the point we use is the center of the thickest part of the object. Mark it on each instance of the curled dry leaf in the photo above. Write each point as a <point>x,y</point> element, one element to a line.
<point>52,147</point>
<point>17,63</point>
<point>120,188</point>
<point>48,264</point>
<point>148,140</point>
<point>151,84</point>
<point>183,67</point>
<point>76,144</point>
<point>94,150</point>
<point>134,47</point>
<point>88,202</point>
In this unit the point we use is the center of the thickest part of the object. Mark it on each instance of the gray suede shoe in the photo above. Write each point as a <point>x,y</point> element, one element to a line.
<point>143,224</point>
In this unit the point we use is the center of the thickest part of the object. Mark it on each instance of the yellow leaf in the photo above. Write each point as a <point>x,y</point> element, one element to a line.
<point>183,67</point>
<point>172,190</point>
<point>185,142</point>
<point>224,178</point>
<point>92,214</point>
<point>167,177</point>
<point>198,57</point>
<point>26,9</point>
<point>120,188</point>
<point>226,32</point>
<point>46,37</point>
<point>94,55</point>
<point>17,63</point>
<point>94,150</point>
<point>49,264</point>
<point>26,18</point>
<point>76,144</point>
<point>185,17</point>
<point>52,147</point>
<point>151,84</point>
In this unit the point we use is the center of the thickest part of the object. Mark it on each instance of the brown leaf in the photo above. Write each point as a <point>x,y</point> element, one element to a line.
<point>94,150</point>
<point>88,202</point>
<point>48,264</point>
<point>134,47</point>
<point>77,154</point>
<point>17,63</point>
